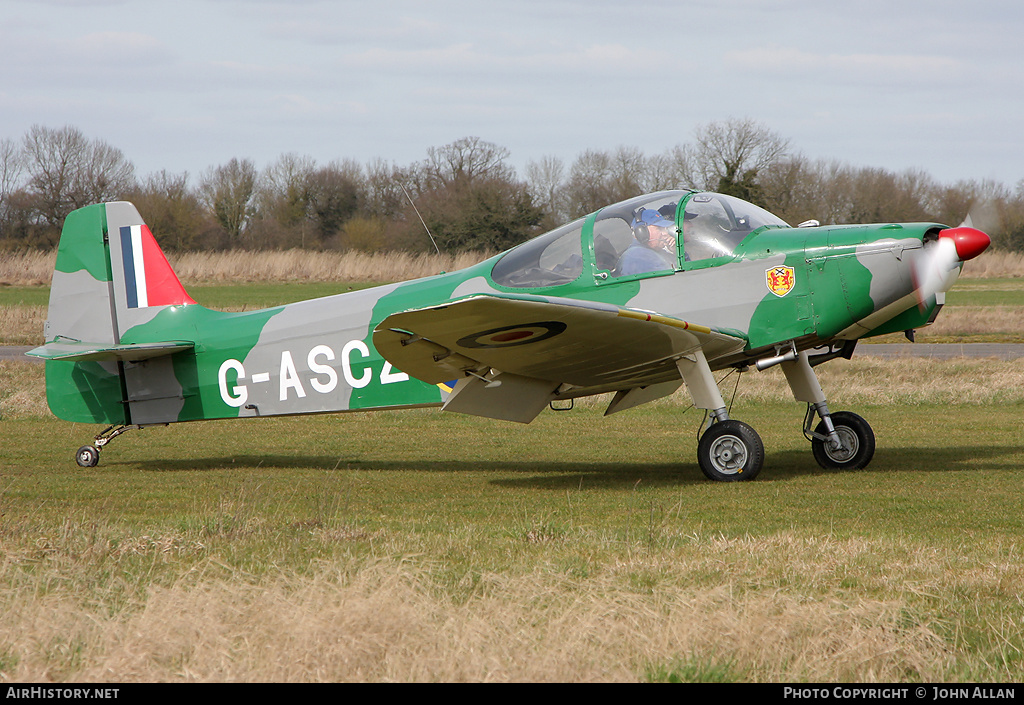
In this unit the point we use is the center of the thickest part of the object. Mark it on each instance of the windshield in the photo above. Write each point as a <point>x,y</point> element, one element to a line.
<point>549,260</point>
<point>714,224</point>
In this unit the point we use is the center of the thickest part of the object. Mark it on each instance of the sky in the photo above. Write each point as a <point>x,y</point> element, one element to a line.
<point>186,85</point>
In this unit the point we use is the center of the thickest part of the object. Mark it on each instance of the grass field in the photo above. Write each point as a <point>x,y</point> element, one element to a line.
<point>421,546</point>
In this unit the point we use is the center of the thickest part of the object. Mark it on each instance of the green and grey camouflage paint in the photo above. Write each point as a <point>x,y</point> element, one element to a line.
<point>116,357</point>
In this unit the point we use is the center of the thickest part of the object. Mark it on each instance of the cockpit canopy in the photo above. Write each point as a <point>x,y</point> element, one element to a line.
<point>652,233</point>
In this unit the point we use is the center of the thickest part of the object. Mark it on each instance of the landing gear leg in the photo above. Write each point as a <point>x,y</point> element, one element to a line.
<point>89,456</point>
<point>841,440</point>
<point>729,450</point>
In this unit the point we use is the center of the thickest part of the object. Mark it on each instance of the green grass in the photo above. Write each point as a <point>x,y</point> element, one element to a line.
<point>24,295</point>
<point>613,507</point>
<point>986,292</point>
<point>423,473</point>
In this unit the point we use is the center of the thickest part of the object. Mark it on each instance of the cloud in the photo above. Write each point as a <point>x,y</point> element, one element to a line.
<point>855,69</point>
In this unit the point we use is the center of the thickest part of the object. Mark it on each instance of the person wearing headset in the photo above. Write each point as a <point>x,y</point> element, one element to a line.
<point>653,247</point>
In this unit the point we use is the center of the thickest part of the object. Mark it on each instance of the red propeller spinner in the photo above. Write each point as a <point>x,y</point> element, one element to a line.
<point>969,242</point>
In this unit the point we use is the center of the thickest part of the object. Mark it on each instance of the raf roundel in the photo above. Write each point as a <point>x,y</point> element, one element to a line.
<point>510,336</point>
<point>780,280</point>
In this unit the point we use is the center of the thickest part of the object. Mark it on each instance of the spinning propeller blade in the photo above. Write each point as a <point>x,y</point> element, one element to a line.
<point>939,265</point>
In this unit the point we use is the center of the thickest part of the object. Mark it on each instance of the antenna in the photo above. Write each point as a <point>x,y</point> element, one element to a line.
<point>411,203</point>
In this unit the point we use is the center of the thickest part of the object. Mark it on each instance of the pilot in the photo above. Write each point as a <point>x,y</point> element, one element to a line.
<point>653,247</point>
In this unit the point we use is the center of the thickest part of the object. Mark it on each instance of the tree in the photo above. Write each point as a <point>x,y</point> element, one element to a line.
<point>729,157</point>
<point>68,171</point>
<point>544,179</point>
<point>489,214</point>
<point>466,160</point>
<point>334,195</point>
<point>172,210</point>
<point>11,168</point>
<point>284,189</point>
<point>228,191</point>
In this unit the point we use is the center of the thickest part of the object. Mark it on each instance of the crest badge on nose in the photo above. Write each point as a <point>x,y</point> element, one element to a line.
<point>780,280</point>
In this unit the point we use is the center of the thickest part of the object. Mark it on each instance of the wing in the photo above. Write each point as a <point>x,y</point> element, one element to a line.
<point>561,341</point>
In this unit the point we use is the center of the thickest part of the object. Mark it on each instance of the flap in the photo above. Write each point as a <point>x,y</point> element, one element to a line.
<point>77,350</point>
<point>582,343</point>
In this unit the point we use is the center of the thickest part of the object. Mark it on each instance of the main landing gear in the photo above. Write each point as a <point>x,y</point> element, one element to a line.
<point>731,451</point>
<point>841,440</point>
<point>89,456</point>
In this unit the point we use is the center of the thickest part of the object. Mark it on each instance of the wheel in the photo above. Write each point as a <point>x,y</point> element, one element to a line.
<point>858,441</point>
<point>730,451</point>
<point>87,456</point>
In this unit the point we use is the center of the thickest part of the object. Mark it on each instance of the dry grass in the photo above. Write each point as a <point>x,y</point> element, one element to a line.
<point>22,389</point>
<point>29,268</point>
<point>781,615</point>
<point>302,265</point>
<point>22,325</point>
<point>35,268</point>
<point>958,321</point>
<point>995,265</point>
<point>868,380</point>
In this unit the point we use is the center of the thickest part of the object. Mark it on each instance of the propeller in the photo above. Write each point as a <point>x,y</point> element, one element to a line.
<point>938,267</point>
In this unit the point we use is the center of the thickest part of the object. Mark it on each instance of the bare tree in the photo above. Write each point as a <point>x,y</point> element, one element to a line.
<point>598,178</point>
<point>729,156</point>
<point>284,190</point>
<point>387,185</point>
<point>228,192</point>
<point>11,168</point>
<point>68,171</point>
<point>106,174</point>
<point>545,180</point>
<point>464,161</point>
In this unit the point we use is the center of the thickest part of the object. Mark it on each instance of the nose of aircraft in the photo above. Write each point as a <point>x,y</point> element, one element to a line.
<point>969,242</point>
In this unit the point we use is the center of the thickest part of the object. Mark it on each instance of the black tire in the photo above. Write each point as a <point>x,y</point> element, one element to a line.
<point>87,456</point>
<point>855,433</point>
<point>730,451</point>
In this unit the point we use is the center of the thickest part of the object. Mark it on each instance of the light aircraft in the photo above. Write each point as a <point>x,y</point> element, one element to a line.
<point>634,300</point>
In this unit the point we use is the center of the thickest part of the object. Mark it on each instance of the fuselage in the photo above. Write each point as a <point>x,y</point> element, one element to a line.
<point>777,284</point>
<point>728,267</point>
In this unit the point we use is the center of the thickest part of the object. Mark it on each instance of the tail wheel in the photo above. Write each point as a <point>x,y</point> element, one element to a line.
<point>858,443</point>
<point>730,451</point>
<point>87,456</point>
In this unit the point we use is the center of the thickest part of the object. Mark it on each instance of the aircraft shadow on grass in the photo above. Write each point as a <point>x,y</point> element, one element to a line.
<point>553,475</point>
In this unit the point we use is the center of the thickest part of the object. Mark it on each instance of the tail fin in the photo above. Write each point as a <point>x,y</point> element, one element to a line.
<point>110,275</point>
<point>142,277</point>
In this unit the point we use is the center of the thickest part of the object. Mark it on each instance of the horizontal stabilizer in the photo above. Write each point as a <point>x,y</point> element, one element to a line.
<point>133,352</point>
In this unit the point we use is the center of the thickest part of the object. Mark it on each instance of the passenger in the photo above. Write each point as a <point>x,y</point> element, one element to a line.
<point>654,245</point>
